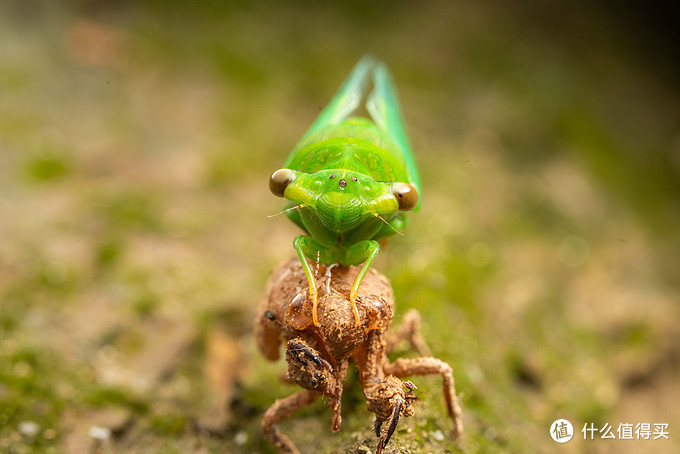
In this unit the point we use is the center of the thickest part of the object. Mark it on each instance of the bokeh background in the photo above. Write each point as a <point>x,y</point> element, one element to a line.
<point>136,139</point>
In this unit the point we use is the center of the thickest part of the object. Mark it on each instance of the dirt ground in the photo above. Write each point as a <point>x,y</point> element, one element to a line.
<point>135,145</point>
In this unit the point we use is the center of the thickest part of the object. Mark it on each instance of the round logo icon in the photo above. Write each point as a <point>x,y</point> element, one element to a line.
<point>561,431</point>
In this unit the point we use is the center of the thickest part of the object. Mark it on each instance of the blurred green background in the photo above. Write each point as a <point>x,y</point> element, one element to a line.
<point>136,139</point>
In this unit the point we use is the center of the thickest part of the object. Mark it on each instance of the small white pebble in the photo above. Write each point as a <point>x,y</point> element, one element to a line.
<point>241,437</point>
<point>29,428</point>
<point>438,435</point>
<point>99,433</point>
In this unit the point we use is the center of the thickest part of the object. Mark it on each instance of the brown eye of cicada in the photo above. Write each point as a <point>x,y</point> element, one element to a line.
<point>280,180</point>
<point>406,195</point>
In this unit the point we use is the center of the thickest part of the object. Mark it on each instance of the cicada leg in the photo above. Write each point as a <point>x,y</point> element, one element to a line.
<point>365,251</point>
<point>306,246</point>
<point>301,243</point>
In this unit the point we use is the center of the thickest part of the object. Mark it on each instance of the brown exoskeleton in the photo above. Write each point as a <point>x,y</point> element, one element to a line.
<point>318,356</point>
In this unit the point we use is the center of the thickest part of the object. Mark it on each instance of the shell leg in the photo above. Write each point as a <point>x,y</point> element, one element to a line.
<point>430,366</point>
<point>409,329</point>
<point>280,410</point>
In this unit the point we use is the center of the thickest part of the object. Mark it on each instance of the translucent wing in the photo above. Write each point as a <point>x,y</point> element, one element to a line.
<point>347,99</point>
<point>383,105</point>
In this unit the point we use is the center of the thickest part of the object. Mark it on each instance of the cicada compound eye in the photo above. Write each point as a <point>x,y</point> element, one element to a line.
<point>280,180</point>
<point>406,195</point>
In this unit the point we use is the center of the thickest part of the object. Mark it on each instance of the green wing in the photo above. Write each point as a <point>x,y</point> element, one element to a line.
<point>348,98</point>
<point>382,104</point>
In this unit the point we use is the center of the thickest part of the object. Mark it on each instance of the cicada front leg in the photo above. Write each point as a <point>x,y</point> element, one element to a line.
<point>306,246</point>
<point>363,251</point>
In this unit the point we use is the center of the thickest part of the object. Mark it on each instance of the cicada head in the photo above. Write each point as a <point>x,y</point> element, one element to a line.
<point>343,200</point>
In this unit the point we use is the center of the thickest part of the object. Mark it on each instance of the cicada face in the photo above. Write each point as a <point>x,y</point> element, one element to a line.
<point>343,200</point>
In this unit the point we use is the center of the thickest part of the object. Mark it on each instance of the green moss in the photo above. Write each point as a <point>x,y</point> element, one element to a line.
<point>47,166</point>
<point>129,209</point>
<point>103,396</point>
<point>109,251</point>
<point>28,397</point>
<point>168,424</point>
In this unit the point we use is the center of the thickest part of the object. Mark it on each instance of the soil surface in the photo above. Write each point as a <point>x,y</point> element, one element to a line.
<point>136,140</point>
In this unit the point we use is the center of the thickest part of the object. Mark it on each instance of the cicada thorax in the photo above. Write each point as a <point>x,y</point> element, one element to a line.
<point>373,154</point>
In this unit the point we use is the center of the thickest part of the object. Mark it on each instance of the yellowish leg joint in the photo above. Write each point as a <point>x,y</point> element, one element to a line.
<point>352,298</point>
<point>313,295</point>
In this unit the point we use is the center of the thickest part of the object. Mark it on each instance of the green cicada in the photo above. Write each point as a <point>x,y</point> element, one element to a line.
<point>350,179</point>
